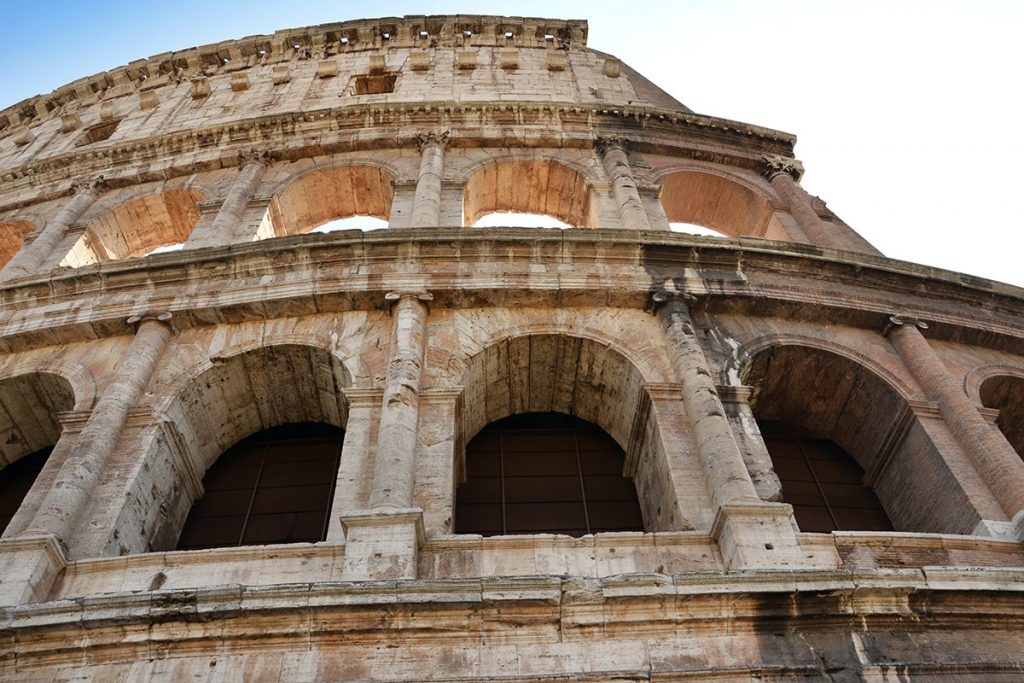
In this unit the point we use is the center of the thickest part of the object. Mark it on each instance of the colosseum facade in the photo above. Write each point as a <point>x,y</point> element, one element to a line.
<point>238,446</point>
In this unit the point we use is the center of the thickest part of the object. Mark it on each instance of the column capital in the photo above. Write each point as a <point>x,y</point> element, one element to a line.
<point>734,393</point>
<point>899,320</point>
<point>439,136</point>
<point>136,321</point>
<point>399,294</point>
<point>262,157</point>
<point>664,295</point>
<point>94,185</point>
<point>775,165</point>
<point>606,144</point>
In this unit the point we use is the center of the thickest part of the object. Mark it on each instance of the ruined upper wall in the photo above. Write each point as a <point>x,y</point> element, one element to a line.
<point>457,58</point>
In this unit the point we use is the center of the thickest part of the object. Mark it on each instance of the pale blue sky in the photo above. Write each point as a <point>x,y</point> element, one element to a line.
<point>906,111</point>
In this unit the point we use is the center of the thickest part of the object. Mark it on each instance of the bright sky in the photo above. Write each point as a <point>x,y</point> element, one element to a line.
<point>906,112</point>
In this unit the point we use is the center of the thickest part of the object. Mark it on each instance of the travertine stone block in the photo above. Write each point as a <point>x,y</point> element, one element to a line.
<point>557,61</point>
<point>239,81</point>
<point>200,88</point>
<point>466,60</point>
<point>148,100</point>
<point>419,60</point>
<point>326,68</point>
<point>281,74</point>
<point>70,122</point>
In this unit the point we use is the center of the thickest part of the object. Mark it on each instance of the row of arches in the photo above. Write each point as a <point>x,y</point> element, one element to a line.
<point>531,192</point>
<point>560,437</point>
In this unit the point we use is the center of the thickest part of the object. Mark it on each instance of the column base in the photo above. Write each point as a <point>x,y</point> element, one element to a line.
<point>1010,531</point>
<point>29,567</point>
<point>764,536</point>
<point>382,544</point>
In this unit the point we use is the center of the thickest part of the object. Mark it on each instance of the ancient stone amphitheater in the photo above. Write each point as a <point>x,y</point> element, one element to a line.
<point>446,452</point>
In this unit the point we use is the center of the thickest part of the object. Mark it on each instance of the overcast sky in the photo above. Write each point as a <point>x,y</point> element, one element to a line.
<point>907,113</point>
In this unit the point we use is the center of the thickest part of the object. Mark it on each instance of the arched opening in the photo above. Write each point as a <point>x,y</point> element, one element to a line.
<point>12,239</point>
<point>508,219</point>
<point>846,449</point>
<point>29,429</point>
<point>137,228</point>
<point>331,194</point>
<point>271,400</point>
<point>534,186</point>
<point>1006,394</point>
<point>275,486</point>
<point>545,473</point>
<point>692,229</point>
<point>583,382</point>
<point>699,198</point>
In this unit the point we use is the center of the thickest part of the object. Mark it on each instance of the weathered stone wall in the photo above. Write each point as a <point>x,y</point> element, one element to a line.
<point>142,369</point>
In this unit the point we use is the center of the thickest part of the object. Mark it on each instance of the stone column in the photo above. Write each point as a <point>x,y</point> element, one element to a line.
<point>620,175</point>
<point>64,504</point>
<point>382,542</point>
<point>783,173</point>
<point>355,472</point>
<point>395,465</point>
<point>226,227</point>
<point>32,256</point>
<point>749,531</point>
<point>736,401</point>
<point>426,205</point>
<point>998,464</point>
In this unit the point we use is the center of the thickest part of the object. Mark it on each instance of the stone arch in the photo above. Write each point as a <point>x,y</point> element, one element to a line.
<point>718,200</point>
<point>233,396</point>
<point>81,382</point>
<point>218,403</point>
<point>576,376</point>
<point>321,195</point>
<point>30,404</point>
<point>12,237</point>
<point>743,356</point>
<point>1002,388</point>
<point>548,187</point>
<point>979,376</point>
<point>827,395</point>
<point>137,226</point>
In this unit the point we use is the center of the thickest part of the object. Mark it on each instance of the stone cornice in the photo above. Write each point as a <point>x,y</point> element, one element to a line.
<point>217,146</point>
<point>349,270</point>
<point>297,44</point>
<point>67,631</point>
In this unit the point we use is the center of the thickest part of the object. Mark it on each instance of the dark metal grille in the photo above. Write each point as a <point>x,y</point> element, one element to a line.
<point>15,481</point>
<point>545,473</point>
<point>822,483</point>
<point>273,487</point>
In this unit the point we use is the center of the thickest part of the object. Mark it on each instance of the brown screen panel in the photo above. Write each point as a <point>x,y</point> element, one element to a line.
<point>274,487</point>
<point>545,473</point>
<point>822,483</point>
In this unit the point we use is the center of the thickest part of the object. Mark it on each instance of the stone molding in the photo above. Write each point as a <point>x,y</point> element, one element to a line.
<point>205,148</point>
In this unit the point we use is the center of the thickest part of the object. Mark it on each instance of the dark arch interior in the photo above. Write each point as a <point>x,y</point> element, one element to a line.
<point>275,486</point>
<point>15,481</point>
<point>1006,394</point>
<point>545,473</point>
<point>822,482</point>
